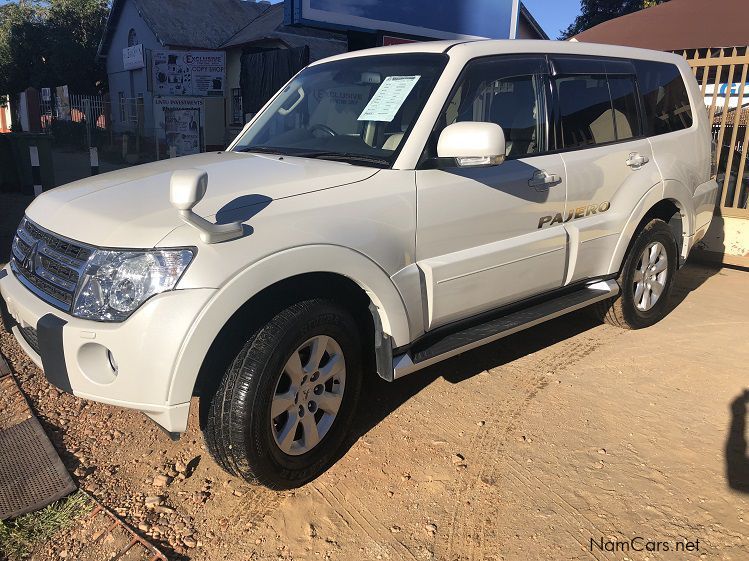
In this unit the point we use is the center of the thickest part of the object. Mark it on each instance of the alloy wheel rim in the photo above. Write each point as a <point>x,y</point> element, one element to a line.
<point>308,395</point>
<point>650,276</point>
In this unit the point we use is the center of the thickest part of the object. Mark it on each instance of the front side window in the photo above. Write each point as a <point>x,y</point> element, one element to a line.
<point>509,92</point>
<point>359,109</point>
<point>665,99</point>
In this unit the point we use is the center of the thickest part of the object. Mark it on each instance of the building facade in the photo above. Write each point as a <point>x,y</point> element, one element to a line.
<point>186,76</point>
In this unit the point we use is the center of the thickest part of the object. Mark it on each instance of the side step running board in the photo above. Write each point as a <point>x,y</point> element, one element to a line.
<point>478,335</point>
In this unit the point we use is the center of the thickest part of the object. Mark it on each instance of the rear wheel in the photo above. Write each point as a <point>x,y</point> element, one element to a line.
<point>645,280</point>
<point>281,411</point>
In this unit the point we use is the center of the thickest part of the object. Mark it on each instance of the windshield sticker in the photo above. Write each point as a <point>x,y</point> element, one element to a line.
<point>388,98</point>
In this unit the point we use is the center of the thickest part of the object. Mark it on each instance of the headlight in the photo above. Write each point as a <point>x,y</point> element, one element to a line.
<point>116,283</point>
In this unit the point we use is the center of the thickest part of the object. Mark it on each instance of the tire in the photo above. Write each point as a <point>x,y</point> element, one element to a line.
<point>241,433</point>
<point>632,309</point>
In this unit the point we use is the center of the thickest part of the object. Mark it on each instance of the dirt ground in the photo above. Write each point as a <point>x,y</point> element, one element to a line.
<point>555,443</point>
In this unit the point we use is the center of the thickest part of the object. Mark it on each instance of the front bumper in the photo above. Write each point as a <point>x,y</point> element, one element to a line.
<point>74,352</point>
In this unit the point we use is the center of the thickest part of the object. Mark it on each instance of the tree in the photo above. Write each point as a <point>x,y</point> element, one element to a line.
<point>47,43</point>
<point>594,12</point>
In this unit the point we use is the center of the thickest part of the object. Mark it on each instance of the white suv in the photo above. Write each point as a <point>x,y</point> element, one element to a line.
<point>387,209</point>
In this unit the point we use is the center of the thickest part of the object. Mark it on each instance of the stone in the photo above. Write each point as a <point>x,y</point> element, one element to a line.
<point>190,542</point>
<point>153,501</point>
<point>161,480</point>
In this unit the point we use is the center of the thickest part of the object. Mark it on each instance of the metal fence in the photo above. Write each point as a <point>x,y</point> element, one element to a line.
<point>88,109</point>
<point>722,75</point>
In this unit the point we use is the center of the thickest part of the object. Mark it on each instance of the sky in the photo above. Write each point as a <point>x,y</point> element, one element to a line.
<point>553,15</point>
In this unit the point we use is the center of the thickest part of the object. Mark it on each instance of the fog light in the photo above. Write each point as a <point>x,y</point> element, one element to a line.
<point>112,361</point>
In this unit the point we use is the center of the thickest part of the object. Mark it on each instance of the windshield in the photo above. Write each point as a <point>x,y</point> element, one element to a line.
<point>358,110</point>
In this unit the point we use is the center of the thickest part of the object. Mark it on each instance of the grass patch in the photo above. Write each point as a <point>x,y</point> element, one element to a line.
<point>19,537</point>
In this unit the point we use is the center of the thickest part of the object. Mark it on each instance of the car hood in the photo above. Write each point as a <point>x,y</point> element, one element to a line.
<point>130,207</point>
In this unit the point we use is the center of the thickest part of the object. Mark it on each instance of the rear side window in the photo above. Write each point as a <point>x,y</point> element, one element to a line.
<point>624,101</point>
<point>665,98</point>
<point>586,116</point>
<point>597,104</point>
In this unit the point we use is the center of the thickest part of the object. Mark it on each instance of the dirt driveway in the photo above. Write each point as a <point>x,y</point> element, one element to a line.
<point>556,443</point>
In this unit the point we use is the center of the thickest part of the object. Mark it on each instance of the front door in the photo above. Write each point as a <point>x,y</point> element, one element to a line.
<point>491,236</point>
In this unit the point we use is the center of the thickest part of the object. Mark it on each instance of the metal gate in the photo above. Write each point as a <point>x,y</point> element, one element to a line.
<point>722,75</point>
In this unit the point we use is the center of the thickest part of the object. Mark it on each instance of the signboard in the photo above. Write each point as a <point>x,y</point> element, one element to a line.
<point>132,57</point>
<point>448,19</point>
<point>180,122</point>
<point>195,73</point>
<point>726,97</point>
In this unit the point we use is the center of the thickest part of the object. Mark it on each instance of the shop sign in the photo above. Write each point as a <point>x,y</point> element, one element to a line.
<point>180,122</point>
<point>193,73</point>
<point>132,57</point>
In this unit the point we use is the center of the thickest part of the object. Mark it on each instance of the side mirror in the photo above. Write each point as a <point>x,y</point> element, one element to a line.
<point>473,144</point>
<point>186,189</point>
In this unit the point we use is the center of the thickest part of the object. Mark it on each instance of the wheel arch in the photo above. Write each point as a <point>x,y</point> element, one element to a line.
<point>664,201</point>
<point>339,273</point>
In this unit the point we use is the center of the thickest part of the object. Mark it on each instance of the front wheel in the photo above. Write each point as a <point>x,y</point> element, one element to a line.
<point>280,414</point>
<point>645,280</point>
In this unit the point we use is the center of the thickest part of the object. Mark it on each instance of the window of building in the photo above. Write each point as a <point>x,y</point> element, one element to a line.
<point>132,38</point>
<point>509,92</point>
<point>121,105</point>
<point>237,115</point>
<point>665,98</point>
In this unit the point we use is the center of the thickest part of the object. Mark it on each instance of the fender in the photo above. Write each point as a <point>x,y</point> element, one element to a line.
<point>671,190</point>
<point>383,294</point>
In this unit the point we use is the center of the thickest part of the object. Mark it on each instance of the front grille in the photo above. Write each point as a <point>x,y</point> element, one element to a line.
<point>47,264</point>
<point>29,335</point>
<point>58,244</point>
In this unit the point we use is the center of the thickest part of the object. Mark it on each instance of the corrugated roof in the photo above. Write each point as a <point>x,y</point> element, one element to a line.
<point>676,25</point>
<point>200,24</point>
<point>270,27</point>
<point>731,117</point>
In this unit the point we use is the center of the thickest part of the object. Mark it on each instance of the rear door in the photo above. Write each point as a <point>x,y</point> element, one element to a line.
<point>608,157</point>
<point>479,244</point>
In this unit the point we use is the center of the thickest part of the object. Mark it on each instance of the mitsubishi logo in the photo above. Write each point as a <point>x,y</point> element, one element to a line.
<point>29,262</point>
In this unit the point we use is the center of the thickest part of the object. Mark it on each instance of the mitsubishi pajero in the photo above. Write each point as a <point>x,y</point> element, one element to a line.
<point>386,210</point>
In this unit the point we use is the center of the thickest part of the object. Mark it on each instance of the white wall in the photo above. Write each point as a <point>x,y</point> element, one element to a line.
<point>130,82</point>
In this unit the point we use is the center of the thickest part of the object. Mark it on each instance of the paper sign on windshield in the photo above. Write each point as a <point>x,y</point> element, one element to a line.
<point>388,98</point>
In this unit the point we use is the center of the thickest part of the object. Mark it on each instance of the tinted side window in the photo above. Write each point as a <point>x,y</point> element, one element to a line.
<point>509,92</point>
<point>665,97</point>
<point>626,112</point>
<point>586,114</point>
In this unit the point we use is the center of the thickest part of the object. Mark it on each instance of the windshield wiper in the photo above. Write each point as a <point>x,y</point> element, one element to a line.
<point>346,157</point>
<point>263,150</point>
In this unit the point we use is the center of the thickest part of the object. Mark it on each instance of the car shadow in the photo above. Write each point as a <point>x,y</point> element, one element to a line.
<point>385,397</point>
<point>692,276</point>
<point>737,461</point>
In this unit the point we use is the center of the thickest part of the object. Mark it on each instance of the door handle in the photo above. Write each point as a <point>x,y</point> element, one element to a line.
<point>541,180</point>
<point>636,160</point>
